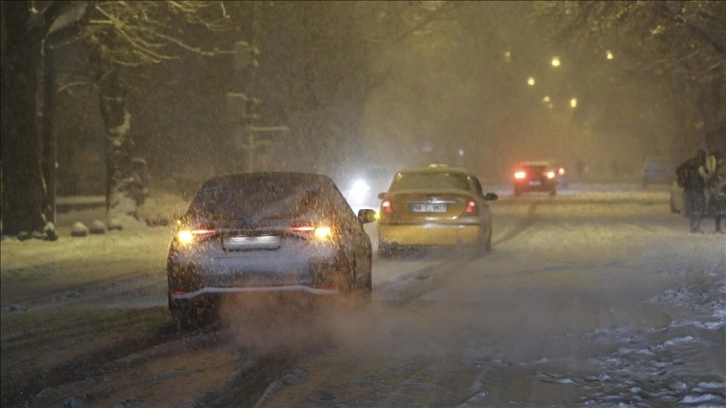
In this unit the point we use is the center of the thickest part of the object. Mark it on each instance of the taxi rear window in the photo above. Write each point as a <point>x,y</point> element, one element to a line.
<point>429,180</point>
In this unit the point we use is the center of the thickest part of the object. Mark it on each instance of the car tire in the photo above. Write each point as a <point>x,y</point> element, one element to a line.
<point>483,245</point>
<point>183,315</point>
<point>488,242</point>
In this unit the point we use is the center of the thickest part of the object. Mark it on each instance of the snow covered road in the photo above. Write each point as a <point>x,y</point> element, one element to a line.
<point>596,297</point>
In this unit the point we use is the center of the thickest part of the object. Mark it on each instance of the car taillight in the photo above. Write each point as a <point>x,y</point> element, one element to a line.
<point>321,233</point>
<point>187,236</point>
<point>550,174</point>
<point>520,175</point>
<point>387,207</point>
<point>471,208</point>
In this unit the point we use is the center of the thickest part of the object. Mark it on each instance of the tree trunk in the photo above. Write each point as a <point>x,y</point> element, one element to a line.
<point>124,191</point>
<point>23,188</point>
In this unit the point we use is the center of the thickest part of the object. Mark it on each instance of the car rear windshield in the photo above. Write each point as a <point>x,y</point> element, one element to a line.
<point>429,180</point>
<point>262,198</point>
<point>534,169</point>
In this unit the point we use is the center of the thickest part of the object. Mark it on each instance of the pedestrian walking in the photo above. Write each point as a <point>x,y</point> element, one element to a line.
<point>713,172</point>
<point>693,185</point>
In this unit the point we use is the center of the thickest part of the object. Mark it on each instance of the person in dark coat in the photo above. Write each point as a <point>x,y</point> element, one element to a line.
<point>714,173</point>
<point>694,187</point>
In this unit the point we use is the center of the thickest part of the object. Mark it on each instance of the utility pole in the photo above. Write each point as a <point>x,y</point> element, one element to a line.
<point>242,106</point>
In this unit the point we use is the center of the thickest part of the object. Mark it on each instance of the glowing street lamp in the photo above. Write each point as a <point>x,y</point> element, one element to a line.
<point>546,99</point>
<point>555,61</point>
<point>507,56</point>
<point>530,81</point>
<point>609,55</point>
<point>573,103</point>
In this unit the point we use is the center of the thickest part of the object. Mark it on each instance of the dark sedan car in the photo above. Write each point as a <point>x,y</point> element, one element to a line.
<point>269,232</point>
<point>535,176</point>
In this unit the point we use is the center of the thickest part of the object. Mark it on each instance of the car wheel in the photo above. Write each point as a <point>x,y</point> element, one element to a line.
<point>183,315</point>
<point>488,242</point>
<point>483,245</point>
<point>366,292</point>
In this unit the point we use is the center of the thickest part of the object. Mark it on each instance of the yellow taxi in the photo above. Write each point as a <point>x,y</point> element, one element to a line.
<point>436,205</point>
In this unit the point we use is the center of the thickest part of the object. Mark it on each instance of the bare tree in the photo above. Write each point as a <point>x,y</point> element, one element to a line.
<point>122,36</point>
<point>117,36</point>
<point>23,185</point>
<point>679,44</point>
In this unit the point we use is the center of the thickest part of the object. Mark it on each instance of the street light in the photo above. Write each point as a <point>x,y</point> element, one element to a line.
<point>573,103</point>
<point>609,55</point>
<point>530,81</point>
<point>555,61</point>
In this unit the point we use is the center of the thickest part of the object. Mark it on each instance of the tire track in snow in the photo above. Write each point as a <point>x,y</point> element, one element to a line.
<point>522,226</point>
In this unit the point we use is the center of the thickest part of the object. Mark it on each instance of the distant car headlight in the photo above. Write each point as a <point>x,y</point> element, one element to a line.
<point>359,190</point>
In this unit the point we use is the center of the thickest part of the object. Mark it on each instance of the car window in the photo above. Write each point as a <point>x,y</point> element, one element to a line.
<point>429,180</point>
<point>535,169</point>
<point>260,199</point>
<point>477,186</point>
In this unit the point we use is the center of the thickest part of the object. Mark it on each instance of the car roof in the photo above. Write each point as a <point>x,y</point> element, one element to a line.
<point>535,163</point>
<point>437,169</point>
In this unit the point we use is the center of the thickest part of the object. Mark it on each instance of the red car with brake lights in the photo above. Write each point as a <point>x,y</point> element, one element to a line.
<point>535,177</point>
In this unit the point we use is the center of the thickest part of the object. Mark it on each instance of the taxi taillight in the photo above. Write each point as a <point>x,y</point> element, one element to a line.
<point>471,208</point>
<point>386,206</point>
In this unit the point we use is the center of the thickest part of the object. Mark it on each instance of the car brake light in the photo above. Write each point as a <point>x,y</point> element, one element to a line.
<point>471,207</point>
<point>187,236</point>
<point>322,233</point>
<point>520,175</point>
<point>550,174</point>
<point>386,206</point>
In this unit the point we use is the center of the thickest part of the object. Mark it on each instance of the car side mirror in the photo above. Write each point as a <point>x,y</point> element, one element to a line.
<point>381,195</point>
<point>367,215</point>
<point>490,197</point>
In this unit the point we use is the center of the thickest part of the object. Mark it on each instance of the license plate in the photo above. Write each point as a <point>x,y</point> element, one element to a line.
<point>428,207</point>
<point>534,183</point>
<point>241,243</point>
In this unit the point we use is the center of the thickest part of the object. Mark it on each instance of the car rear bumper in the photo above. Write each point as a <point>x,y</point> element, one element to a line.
<point>257,289</point>
<point>429,234</point>
<point>549,186</point>
<point>311,271</point>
